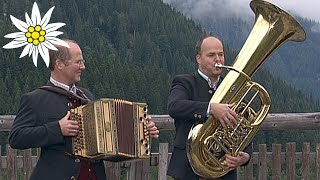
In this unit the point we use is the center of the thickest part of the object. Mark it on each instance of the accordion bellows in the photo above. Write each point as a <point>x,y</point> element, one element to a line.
<point>112,130</point>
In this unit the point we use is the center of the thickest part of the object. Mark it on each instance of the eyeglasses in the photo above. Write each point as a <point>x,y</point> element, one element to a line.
<point>81,62</point>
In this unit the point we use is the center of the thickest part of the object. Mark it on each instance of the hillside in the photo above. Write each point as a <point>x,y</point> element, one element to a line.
<point>132,49</point>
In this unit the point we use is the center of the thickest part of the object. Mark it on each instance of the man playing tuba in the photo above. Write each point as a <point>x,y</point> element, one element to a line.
<point>188,104</point>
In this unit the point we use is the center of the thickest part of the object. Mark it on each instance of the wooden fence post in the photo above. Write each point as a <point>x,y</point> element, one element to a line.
<point>291,160</point>
<point>112,170</point>
<point>318,161</point>
<point>27,164</point>
<point>163,161</point>
<point>276,161</point>
<point>1,174</point>
<point>11,163</point>
<point>248,171</point>
<point>38,151</point>
<point>139,170</point>
<point>305,161</point>
<point>262,162</point>
<point>131,171</point>
<point>145,169</point>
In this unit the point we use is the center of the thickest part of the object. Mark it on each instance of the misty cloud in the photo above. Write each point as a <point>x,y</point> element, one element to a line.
<point>316,28</point>
<point>240,8</point>
<point>198,9</point>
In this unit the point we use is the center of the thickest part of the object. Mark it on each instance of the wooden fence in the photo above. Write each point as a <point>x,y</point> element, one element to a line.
<point>289,164</point>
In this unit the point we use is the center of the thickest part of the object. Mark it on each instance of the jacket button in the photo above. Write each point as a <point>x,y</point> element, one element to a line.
<point>77,160</point>
<point>69,104</point>
<point>73,178</point>
<point>195,115</point>
<point>199,116</point>
<point>210,91</point>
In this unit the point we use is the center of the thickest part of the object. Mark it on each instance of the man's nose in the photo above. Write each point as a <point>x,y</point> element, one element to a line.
<point>217,58</point>
<point>82,66</point>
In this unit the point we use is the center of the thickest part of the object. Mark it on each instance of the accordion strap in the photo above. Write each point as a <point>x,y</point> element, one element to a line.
<point>65,93</point>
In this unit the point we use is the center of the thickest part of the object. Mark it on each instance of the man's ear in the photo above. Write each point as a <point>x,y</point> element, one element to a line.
<point>198,58</point>
<point>59,64</point>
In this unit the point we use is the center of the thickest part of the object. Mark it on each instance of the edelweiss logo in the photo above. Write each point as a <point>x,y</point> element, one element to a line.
<point>37,35</point>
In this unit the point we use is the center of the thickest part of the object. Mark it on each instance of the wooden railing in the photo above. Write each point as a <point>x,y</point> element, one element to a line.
<point>289,164</point>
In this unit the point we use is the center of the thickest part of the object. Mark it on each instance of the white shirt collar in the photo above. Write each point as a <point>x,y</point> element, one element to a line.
<point>211,85</point>
<point>63,86</point>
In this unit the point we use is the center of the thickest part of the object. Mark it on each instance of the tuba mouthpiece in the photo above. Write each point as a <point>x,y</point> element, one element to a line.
<point>218,65</point>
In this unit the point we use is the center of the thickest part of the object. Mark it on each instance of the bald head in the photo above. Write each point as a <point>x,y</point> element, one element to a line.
<point>205,40</point>
<point>62,53</point>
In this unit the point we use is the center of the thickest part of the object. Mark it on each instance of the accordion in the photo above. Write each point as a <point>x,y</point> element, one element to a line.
<point>112,130</point>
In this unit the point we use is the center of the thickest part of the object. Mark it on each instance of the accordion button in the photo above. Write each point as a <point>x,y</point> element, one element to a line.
<point>77,160</point>
<point>73,178</point>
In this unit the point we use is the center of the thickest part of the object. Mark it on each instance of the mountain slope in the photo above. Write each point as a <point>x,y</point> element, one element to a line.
<point>133,49</point>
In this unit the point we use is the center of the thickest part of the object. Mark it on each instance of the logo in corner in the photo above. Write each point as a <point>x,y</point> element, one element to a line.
<point>37,35</point>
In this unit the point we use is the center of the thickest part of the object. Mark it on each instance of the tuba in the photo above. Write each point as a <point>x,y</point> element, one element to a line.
<point>208,143</point>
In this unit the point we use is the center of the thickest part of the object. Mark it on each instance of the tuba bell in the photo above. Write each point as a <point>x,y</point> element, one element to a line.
<point>208,143</point>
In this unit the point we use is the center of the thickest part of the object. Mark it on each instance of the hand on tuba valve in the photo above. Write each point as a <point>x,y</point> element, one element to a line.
<point>226,116</point>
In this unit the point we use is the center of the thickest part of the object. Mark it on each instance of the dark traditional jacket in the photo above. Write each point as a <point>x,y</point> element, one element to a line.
<point>188,103</point>
<point>36,125</point>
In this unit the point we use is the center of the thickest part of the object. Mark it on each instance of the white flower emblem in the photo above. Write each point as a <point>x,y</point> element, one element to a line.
<point>37,35</point>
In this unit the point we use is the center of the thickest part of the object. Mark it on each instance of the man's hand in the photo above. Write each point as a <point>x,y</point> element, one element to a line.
<point>68,127</point>
<point>152,128</point>
<point>234,162</point>
<point>226,116</point>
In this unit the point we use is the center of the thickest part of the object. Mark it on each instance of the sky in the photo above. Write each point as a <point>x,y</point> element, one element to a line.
<point>304,8</point>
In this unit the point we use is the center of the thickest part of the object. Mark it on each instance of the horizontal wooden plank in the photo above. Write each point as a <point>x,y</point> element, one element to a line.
<point>277,121</point>
<point>274,121</point>
<point>6,122</point>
